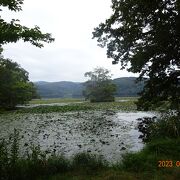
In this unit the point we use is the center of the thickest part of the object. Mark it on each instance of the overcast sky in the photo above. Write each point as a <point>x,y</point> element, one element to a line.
<point>74,52</point>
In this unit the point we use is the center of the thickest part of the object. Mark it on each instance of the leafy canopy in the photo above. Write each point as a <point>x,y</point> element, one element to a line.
<point>99,88</point>
<point>15,85</point>
<point>14,31</point>
<point>144,36</point>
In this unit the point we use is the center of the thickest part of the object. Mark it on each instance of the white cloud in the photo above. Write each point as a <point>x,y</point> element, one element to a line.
<point>71,23</point>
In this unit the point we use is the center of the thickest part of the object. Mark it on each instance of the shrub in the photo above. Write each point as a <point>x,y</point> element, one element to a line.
<point>147,159</point>
<point>166,126</point>
<point>88,162</point>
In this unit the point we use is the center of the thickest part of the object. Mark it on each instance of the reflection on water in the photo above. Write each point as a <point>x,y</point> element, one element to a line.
<point>104,132</point>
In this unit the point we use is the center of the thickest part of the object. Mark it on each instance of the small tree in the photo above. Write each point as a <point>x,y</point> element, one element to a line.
<point>99,88</point>
<point>15,85</point>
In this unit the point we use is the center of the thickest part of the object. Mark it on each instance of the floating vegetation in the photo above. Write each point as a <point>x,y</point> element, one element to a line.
<point>105,132</point>
<point>128,105</point>
<point>48,109</point>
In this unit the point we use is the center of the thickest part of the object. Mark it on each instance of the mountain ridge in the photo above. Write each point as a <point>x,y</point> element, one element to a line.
<point>126,86</point>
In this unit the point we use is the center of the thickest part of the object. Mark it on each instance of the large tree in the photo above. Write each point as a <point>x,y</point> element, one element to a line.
<point>15,85</point>
<point>144,36</point>
<point>14,31</point>
<point>99,87</point>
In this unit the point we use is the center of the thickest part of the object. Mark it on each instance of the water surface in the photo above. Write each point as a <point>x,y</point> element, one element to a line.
<point>103,132</point>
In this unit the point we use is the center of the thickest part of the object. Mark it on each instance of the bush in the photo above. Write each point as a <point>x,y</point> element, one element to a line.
<point>58,164</point>
<point>88,162</point>
<point>166,126</point>
<point>147,159</point>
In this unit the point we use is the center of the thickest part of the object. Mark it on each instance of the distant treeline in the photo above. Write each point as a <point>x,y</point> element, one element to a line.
<point>126,86</point>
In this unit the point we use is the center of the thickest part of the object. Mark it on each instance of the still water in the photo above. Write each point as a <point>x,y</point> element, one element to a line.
<point>103,132</point>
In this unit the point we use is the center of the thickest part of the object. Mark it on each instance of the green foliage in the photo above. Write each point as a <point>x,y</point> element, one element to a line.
<point>35,164</point>
<point>58,164</point>
<point>14,31</point>
<point>166,126</point>
<point>9,156</point>
<point>144,37</point>
<point>15,86</point>
<point>147,159</point>
<point>13,5</point>
<point>56,100</point>
<point>99,88</point>
<point>128,105</point>
<point>3,159</point>
<point>90,163</point>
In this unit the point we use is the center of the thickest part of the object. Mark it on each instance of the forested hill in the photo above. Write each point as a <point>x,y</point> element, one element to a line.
<point>126,86</point>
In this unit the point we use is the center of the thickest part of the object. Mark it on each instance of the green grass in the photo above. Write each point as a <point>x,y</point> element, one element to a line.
<point>147,160</point>
<point>121,106</point>
<point>108,174</point>
<point>127,98</point>
<point>87,106</point>
<point>56,100</point>
<point>71,100</point>
<point>84,106</point>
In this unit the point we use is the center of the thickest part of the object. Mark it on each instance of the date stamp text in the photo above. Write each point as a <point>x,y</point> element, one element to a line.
<point>168,163</point>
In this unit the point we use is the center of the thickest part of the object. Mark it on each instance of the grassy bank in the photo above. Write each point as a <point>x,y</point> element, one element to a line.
<point>71,100</point>
<point>56,100</point>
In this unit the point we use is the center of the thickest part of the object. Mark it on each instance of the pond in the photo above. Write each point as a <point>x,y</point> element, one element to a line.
<point>108,133</point>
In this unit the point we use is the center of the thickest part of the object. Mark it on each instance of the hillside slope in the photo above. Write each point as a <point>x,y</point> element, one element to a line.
<point>126,86</point>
